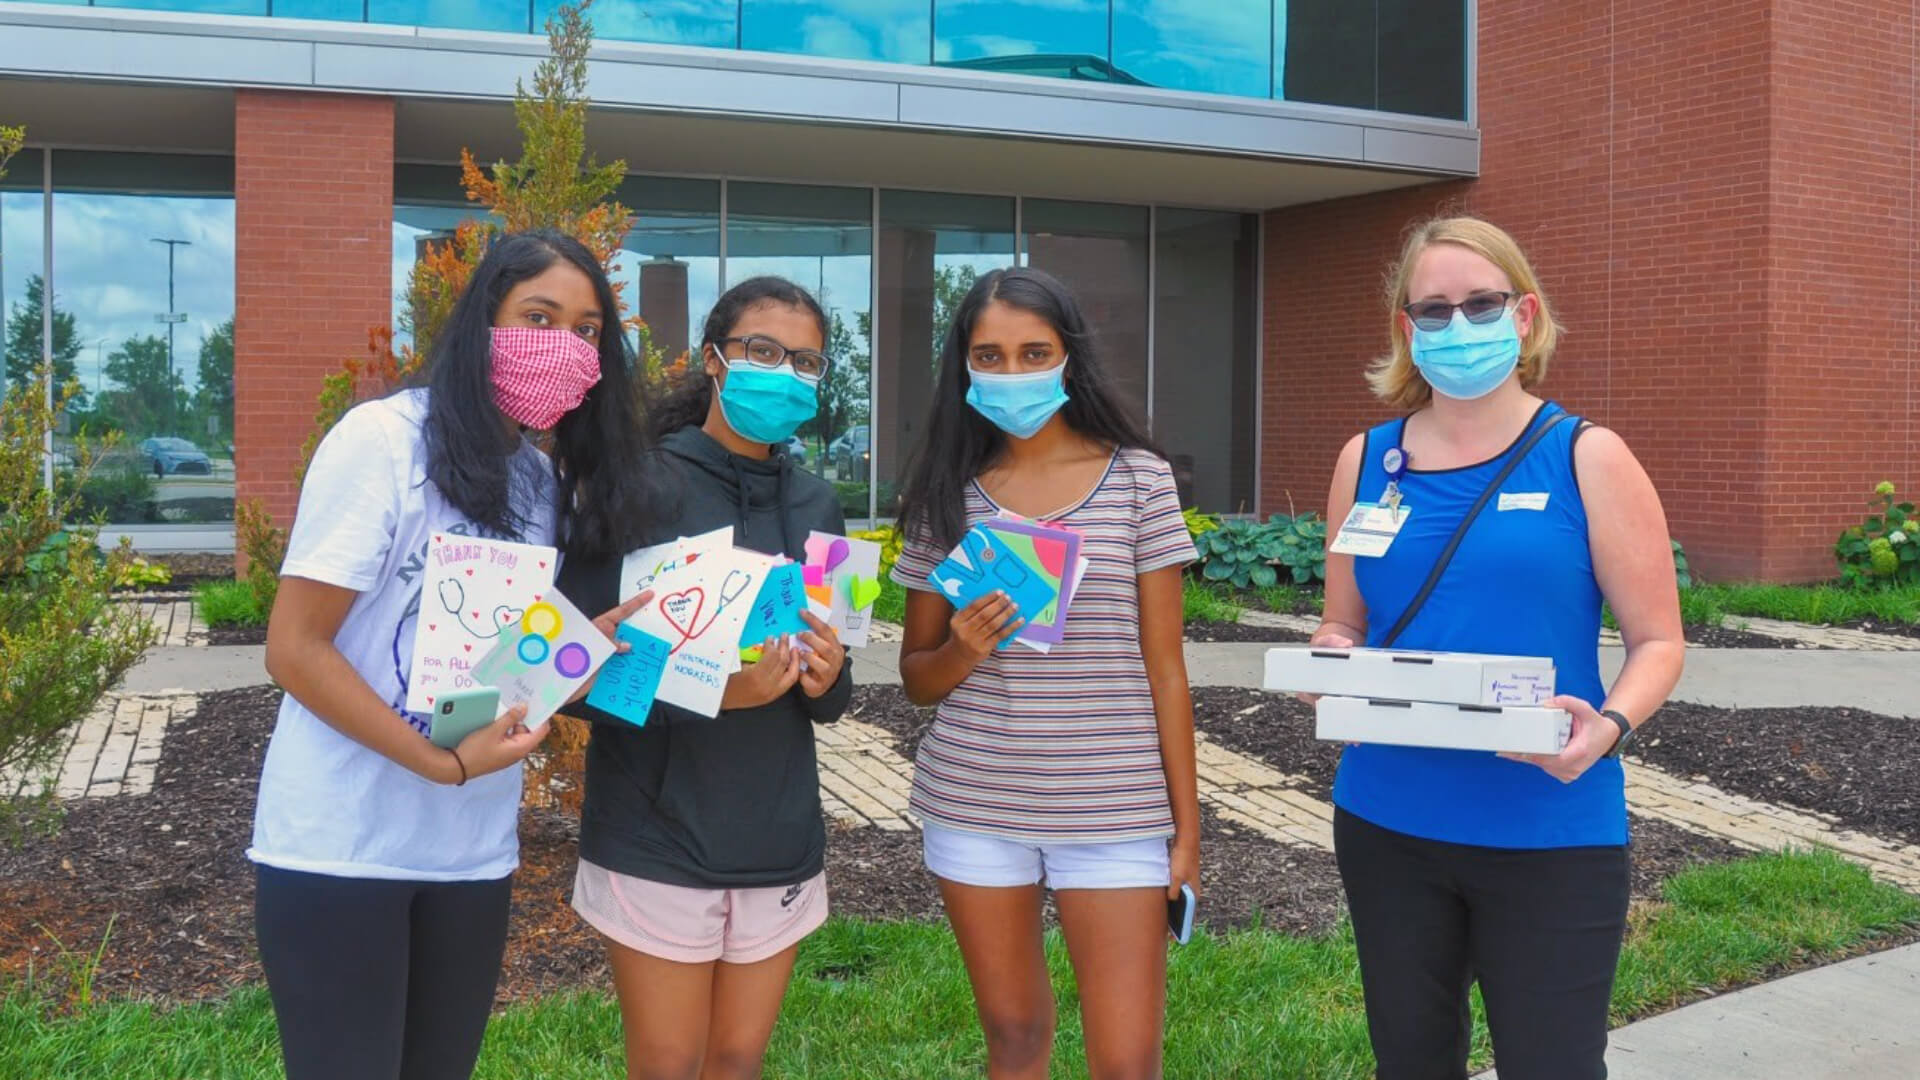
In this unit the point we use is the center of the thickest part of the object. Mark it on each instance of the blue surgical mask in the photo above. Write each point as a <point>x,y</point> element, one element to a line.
<point>766,406</point>
<point>1467,360</point>
<point>1019,404</point>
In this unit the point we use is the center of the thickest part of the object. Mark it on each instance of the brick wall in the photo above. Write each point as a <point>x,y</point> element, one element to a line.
<point>1718,196</point>
<point>313,225</point>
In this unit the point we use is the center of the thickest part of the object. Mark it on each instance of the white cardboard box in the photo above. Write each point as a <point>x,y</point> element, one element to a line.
<point>1520,729</point>
<point>1405,675</point>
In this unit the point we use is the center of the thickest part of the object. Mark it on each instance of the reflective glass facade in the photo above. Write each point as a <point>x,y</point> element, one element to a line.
<point>1402,56</point>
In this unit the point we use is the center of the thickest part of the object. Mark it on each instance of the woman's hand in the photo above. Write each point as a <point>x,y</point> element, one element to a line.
<point>1593,736</point>
<point>820,668</point>
<point>764,681</point>
<point>1328,636</point>
<point>1184,862</point>
<point>496,746</point>
<point>979,628</point>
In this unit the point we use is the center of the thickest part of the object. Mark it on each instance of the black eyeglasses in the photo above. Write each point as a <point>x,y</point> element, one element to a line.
<point>764,352</point>
<point>1481,308</point>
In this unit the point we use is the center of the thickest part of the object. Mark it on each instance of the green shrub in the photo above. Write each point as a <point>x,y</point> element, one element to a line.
<point>229,603</point>
<point>1252,554</point>
<point>62,642</point>
<point>1199,524</point>
<point>120,492</point>
<point>1884,549</point>
<point>265,546</point>
<point>1682,575</point>
<point>891,605</point>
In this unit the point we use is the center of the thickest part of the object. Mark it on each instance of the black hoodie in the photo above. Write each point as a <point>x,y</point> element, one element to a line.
<point>733,801</point>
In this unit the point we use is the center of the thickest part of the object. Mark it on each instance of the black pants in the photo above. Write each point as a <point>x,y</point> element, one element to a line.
<point>380,980</point>
<point>1540,930</point>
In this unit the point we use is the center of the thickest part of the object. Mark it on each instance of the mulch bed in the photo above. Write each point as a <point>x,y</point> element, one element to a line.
<point>1857,766</point>
<point>1210,631</point>
<point>1882,626</point>
<point>236,635</point>
<point>190,570</point>
<point>1702,636</point>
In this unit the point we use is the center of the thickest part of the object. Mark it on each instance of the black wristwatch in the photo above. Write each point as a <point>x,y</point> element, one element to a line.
<point>1626,732</point>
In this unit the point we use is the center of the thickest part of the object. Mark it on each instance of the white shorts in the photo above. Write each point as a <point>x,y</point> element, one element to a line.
<point>967,858</point>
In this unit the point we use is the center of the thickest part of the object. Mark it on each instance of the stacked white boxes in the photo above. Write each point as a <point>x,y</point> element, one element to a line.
<point>1459,701</point>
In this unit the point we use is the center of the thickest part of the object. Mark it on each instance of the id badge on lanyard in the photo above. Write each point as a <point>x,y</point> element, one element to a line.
<point>1371,527</point>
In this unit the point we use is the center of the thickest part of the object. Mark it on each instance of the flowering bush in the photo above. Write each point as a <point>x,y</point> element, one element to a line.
<point>1885,548</point>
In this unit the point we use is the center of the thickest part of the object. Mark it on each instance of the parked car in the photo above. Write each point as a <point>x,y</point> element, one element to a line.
<point>175,457</point>
<point>797,450</point>
<point>850,454</point>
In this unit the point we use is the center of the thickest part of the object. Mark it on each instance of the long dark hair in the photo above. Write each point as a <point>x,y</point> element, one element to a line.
<point>960,444</point>
<point>687,403</point>
<point>597,448</point>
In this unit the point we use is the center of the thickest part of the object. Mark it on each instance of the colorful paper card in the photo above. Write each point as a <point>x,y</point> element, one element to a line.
<point>1073,589</point>
<point>699,609</point>
<point>630,681</point>
<point>776,611</point>
<point>844,573</point>
<point>983,563</point>
<point>639,569</point>
<point>1052,553</point>
<point>473,589</point>
<point>543,657</point>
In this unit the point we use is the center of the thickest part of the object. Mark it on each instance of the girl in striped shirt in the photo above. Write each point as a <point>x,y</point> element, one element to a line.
<point>1071,769</point>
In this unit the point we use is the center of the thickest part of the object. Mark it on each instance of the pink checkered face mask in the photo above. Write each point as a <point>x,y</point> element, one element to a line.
<point>542,374</point>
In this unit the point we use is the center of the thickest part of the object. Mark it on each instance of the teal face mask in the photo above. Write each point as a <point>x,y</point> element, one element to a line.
<point>766,406</point>
<point>1019,405</point>
<point>1467,360</point>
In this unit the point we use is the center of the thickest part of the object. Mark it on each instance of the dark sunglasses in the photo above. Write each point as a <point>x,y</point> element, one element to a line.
<point>1481,308</point>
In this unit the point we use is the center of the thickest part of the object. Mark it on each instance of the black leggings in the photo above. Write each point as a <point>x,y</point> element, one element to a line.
<point>1540,930</point>
<point>381,980</point>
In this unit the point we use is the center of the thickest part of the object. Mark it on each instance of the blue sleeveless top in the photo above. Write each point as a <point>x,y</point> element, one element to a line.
<point>1521,584</point>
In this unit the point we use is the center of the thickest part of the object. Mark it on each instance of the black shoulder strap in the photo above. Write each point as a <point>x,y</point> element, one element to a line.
<point>1453,543</point>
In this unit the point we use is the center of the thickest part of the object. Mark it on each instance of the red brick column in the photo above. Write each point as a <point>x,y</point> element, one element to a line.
<point>1719,197</point>
<point>313,247</point>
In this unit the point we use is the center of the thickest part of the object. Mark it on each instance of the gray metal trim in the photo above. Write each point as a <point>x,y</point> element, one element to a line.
<point>215,50</point>
<point>1259,361</point>
<point>1153,303</point>
<point>47,311</point>
<point>873,366</point>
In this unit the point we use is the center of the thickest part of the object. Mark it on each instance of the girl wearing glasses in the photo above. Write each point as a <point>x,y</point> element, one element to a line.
<point>701,840</point>
<point>1071,770</point>
<point>1462,866</point>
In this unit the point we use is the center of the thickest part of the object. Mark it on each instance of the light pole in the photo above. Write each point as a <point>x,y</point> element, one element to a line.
<point>172,319</point>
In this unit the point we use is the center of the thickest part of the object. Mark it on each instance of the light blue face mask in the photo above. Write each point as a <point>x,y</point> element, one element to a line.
<point>766,405</point>
<point>1019,405</point>
<point>1467,360</point>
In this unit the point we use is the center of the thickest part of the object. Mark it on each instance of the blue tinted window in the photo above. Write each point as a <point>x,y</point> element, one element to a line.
<point>896,30</point>
<point>1216,46</point>
<point>1324,52</point>
<point>208,7</point>
<point>337,10</point>
<point>712,23</point>
<point>512,16</point>
<point>1058,37</point>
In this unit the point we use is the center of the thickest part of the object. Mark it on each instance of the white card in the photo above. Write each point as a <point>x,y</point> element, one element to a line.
<point>699,609</point>
<point>473,589</point>
<point>844,574</point>
<point>1370,529</point>
<point>543,657</point>
<point>639,568</point>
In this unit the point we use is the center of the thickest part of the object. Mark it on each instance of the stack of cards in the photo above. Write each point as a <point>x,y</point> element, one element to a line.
<point>1039,566</point>
<point>1457,701</point>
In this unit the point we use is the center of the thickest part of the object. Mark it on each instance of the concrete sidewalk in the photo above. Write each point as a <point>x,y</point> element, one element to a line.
<point>1850,1021</point>
<point>1880,682</point>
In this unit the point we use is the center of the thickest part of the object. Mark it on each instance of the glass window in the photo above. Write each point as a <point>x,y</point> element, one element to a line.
<point>1323,52</point>
<point>1423,58</point>
<point>932,249</point>
<point>900,31</point>
<point>712,23</point>
<point>1100,251</point>
<point>1216,46</point>
<point>671,260</point>
<point>337,10</point>
<point>23,282</point>
<point>820,238</point>
<point>1204,378</point>
<point>428,203</point>
<point>510,16</point>
<point>209,7</point>
<point>1063,38</point>
<point>143,261</point>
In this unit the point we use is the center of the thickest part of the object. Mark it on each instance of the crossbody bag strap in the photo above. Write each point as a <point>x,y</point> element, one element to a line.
<point>1453,543</point>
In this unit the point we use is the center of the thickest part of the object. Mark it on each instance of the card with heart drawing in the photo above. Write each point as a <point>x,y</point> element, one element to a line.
<point>699,610</point>
<point>845,573</point>
<point>472,590</point>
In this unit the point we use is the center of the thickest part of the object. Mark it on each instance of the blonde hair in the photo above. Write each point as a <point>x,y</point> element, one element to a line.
<point>1393,377</point>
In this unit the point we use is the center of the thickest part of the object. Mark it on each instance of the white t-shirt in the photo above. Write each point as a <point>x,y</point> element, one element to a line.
<point>327,804</point>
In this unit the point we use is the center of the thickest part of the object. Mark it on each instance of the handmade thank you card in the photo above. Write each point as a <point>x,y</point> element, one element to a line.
<point>700,610</point>
<point>1053,554</point>
<point>983,563</point>
<point>845,574</point>
<point>473,590</point>
<point>776,611</point>
<point>630,680</point>
<point>543,657</point>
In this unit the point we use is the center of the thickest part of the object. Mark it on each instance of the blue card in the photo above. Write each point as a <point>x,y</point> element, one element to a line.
<point>629,681</point>
<point>776,610</point>
<point>983,563</point>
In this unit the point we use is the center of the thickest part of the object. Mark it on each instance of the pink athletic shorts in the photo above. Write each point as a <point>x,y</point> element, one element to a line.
<point>699,926</point>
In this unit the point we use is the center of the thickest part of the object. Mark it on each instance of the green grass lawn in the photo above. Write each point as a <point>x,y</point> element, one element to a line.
<point>228,603</point>
<point>1799,603</point>
<point>874,1000</point>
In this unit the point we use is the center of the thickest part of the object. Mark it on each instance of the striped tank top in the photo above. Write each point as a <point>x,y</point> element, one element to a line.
<point>1062,747</point>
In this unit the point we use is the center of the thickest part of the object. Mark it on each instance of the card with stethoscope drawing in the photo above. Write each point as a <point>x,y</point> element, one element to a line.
<point>473,590</point>
<point>699,610</point>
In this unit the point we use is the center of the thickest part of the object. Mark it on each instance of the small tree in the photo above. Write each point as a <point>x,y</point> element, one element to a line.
<point>23,344</point>
<point>11,140</point>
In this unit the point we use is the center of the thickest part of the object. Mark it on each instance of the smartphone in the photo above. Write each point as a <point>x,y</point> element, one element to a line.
<point>460,713</point>
<point>1180,914</point>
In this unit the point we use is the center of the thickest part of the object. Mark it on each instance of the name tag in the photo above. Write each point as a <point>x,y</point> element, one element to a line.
<point>1370,530</point>
<point>1524,500</point>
